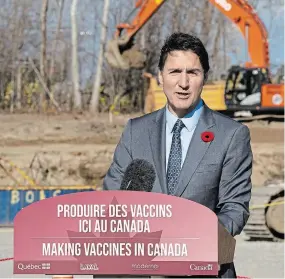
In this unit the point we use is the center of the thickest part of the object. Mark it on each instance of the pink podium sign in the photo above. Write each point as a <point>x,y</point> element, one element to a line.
<point>116,233</point>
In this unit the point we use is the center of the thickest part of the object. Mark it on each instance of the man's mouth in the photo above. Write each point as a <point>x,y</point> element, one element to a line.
<point>183,94</point>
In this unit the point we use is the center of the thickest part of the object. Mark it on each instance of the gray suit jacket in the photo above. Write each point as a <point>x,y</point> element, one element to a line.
<point>216,174</point>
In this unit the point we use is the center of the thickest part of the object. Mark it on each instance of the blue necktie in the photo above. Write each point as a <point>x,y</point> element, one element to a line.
<point>175,158</point>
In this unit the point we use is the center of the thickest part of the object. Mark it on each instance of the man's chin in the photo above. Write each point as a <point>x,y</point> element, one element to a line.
<point>183,107</point>
<point>179,111</point>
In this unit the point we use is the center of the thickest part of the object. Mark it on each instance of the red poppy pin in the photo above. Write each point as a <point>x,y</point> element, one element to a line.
<point>207,136</point>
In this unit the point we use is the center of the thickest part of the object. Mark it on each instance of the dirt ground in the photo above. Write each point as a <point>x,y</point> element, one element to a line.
<point>78,149</point>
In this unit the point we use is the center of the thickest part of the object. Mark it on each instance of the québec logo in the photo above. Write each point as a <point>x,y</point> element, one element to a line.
<point>224,4</point>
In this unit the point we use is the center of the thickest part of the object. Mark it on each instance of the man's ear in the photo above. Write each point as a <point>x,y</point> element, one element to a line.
<point>159,77</point>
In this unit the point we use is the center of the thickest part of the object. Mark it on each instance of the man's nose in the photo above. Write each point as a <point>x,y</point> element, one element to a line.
<point>184,81</point>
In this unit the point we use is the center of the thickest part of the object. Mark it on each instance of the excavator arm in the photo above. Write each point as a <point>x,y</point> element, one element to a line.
<point>252,28</point>
<point>147,8</point>
<point>120,53</point>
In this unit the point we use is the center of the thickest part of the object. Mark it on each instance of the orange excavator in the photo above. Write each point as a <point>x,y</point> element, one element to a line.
<point>247,87</point>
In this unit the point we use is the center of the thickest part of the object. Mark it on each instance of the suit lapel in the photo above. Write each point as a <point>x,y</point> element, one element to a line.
<point>196,149</point>
<point>157,135</point>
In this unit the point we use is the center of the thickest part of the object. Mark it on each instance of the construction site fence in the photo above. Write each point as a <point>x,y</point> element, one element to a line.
<point>13,199</point>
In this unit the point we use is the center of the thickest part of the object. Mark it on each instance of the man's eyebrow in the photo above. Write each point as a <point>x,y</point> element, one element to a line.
<point>188,70</point>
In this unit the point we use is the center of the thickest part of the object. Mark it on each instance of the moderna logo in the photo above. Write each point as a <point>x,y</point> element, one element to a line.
<point>224,4</point>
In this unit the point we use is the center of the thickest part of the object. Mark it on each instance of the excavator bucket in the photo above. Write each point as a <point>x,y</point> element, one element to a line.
<point>114,56</point>
<point>121,55</point>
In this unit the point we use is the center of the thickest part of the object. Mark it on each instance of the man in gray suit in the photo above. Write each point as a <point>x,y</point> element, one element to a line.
<point>198,154</point>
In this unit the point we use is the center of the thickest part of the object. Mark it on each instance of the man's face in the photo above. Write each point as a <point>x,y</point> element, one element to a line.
<point>182,79</point>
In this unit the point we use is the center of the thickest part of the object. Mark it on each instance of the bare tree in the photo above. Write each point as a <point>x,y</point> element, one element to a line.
<point>96,92</point>
<point>55,41</point>
<point>43,59</point>
<point>77,103</point>
<point>19,87</point>
<point>176,11</point>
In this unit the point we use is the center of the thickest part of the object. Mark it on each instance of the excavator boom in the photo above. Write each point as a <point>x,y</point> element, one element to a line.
<point>252,28</point>
<point>147,8</point>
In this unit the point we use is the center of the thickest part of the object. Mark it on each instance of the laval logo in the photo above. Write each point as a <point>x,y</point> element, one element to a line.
<point>224,4</point>
<point>201,267</point>
<point>89,266</point>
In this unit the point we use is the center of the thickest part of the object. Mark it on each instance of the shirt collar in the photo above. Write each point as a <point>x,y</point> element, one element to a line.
<point>190,120</point>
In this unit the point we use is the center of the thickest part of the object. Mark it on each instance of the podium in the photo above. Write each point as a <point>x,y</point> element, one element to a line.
<point>120,233</point>
<point>226,246</point>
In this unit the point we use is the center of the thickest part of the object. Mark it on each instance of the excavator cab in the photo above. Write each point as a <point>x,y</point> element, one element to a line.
<point>244,87</point>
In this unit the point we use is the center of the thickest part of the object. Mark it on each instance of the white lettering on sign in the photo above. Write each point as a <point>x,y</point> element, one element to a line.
<point>29,196</point>
<point>224,4</point>
<point>201,267</point>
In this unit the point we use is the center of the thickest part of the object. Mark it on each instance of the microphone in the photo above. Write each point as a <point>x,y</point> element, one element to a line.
<point>139,176</point>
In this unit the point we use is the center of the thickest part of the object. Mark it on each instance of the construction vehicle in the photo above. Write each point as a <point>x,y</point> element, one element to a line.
<point>266,221</point>
<point>247,88</point>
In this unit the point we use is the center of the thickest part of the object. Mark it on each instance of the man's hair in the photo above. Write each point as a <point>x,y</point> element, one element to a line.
<point>184,42</point>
